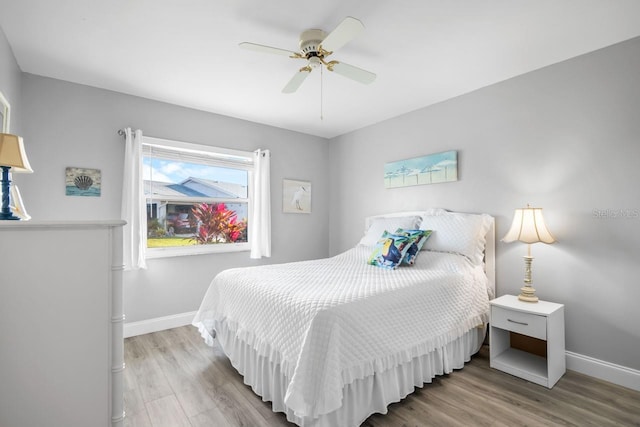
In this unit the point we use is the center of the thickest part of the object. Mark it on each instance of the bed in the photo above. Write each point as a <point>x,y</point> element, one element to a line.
<point>331,341</point>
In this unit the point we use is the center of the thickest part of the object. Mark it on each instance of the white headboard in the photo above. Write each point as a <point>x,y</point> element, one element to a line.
<point>490,244</point>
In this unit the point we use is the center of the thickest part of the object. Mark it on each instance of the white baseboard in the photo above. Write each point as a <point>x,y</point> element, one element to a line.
<point>142,327</point>
<point>620,375</point>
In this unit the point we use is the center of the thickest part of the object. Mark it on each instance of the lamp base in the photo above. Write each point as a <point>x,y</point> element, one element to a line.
<point>5,183</point>
<point>11,216</point>
<point>528,294</point>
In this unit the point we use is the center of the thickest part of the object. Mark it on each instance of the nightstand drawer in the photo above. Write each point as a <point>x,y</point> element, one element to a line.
<point>528,324</point>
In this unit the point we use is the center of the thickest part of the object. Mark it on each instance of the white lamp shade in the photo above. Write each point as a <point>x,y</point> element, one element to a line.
<point>529,227</point>
<point>12,153</point>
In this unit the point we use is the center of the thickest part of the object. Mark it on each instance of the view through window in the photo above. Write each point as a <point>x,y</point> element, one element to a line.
<point>195,198</point>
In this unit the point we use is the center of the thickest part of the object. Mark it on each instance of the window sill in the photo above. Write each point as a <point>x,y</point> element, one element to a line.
<point>153,253</point>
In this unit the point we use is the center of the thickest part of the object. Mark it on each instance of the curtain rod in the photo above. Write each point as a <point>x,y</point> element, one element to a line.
<point>230,151</point>
<point>122,133</point>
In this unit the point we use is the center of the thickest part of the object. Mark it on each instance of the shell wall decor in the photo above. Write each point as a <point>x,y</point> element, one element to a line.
<point>83,182</point>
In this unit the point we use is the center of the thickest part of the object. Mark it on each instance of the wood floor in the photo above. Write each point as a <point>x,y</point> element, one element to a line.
<point>172,379</point>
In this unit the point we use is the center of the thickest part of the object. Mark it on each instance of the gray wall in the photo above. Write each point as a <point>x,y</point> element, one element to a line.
<point>74,125</point>
<point>564,138</point>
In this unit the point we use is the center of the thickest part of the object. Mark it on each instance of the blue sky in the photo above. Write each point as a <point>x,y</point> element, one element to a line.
<point>161,170</point>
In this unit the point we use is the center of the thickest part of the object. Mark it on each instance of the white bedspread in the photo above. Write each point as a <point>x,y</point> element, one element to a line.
<point>328,322</point>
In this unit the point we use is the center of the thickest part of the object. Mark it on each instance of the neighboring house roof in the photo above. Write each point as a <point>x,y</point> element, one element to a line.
<point>206,188</point>
<point>156,188</point>
<point>227,188</point>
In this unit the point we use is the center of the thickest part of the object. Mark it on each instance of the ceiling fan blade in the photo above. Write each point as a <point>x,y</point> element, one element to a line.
<point>346,31</point>
<point>267,49</point>
<point>351,72</point>
<point>297,80</point>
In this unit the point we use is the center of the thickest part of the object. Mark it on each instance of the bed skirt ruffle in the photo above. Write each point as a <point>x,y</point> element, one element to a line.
<point>362,397</point>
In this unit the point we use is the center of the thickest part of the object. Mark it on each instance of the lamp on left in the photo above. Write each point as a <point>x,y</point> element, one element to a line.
<point>12,159</point>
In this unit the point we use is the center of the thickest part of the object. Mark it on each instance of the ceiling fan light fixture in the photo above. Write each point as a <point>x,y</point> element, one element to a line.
<point>315,62</point>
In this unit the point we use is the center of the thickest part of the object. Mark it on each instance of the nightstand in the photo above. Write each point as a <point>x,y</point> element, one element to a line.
<point>527,339</point>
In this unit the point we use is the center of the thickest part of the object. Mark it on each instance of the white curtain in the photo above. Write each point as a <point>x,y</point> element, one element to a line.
<point>133,204</point>
<point>260,225</point>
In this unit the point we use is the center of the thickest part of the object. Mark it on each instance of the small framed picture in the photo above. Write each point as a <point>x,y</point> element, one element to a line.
<point>5,110</point>
<point>296,196</point>
<point>83,182</point>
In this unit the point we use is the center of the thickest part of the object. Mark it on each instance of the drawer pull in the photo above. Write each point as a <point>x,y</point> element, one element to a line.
<point>519,323</point>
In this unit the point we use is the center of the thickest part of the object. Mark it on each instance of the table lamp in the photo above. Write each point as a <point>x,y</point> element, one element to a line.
<point>528,226</point>
<point>12,158</point>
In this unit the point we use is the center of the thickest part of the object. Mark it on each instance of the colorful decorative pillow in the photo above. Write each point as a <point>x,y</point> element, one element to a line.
<point>459,233</point>
<point>390,250</point>
<point>379,225</point>
<point>419,237</point>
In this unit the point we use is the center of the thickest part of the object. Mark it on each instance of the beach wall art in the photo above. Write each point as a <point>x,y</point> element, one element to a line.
<point>296,196</point>
<point>83,182</point>
<point>429,169</point>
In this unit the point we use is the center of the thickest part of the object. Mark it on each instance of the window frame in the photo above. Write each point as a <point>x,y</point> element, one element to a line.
<point>227,158</point>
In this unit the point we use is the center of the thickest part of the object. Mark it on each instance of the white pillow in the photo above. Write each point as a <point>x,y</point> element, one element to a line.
<point>459,233</point>
<point>390,224</point>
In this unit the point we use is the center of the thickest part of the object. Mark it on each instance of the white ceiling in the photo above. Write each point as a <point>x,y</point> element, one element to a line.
<point>186,52</point>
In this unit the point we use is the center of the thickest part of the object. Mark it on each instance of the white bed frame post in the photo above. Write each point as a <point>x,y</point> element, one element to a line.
<point>490,256</point>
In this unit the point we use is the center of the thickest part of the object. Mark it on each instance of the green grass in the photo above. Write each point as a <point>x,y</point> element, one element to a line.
<point>165,242</point>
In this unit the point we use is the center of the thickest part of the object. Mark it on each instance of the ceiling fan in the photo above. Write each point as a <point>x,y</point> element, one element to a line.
<point>315,46</point>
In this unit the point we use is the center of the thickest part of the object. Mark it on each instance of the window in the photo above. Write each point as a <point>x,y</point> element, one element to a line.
<point>197,198</point>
